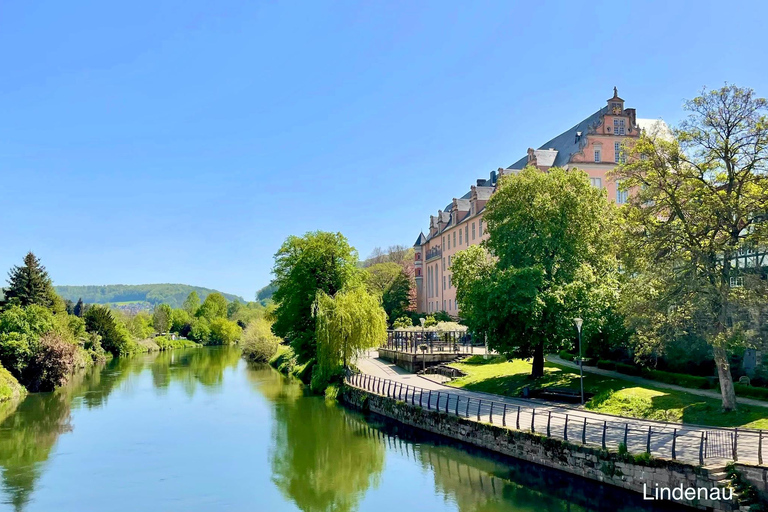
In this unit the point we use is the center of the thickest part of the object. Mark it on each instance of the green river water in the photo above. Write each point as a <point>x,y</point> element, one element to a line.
<point>200,430</point>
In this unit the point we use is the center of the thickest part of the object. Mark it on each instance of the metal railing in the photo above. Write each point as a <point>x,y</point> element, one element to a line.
<point>689,443</point>
<point>459,342</point>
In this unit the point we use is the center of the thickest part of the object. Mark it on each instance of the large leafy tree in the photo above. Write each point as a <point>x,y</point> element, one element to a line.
<point>304,266</point>
<point>549,257</point>
<point>162,318</point>
<point>114,335</point>
<point>390,281</point>
<point>701,199</point>
<point>30,284</point>
<point>192,303</point>
<point>214,306</point>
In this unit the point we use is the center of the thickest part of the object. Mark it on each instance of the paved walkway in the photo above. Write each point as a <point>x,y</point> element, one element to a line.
<point>653,383</point>
<point>564,420</point>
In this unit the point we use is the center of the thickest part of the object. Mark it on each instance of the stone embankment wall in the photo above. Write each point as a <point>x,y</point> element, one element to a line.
<point>627,472</point>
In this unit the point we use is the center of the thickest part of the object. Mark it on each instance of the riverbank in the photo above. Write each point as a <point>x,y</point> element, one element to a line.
<point>633,473</point>
<point>285,362</point>
<point>10,389</point>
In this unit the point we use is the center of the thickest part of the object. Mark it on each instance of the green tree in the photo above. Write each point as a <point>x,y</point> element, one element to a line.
<point>114,335</point>
<point>20,332</point>
<point>79,309</point>
<point>550,235</point>
<point>199,330</point>
<point>699,199</point>
<point>348,323</point>
<point>140,325</point>
<point>402,322</point>
<point>258,342</point>
<point>181,321</point>
<point>224,332</point>
<point>304,266</point>
<point>29,284</point>
<point>192,303</point>
<point>162,318</point>
<point>214,306</point>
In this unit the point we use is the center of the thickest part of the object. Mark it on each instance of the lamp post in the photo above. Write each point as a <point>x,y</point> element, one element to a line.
<point>578,322</point>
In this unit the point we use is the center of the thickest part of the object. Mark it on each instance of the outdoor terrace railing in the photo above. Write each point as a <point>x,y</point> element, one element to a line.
<point>459,342</point>
<point>690,443</point>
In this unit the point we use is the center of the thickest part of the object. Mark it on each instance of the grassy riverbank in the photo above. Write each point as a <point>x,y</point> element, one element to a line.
<point>611,395</point>
<point>10,389</point>
<point>285,362</point>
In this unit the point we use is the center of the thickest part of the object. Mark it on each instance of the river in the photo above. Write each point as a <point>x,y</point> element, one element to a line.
<point>200,430</point>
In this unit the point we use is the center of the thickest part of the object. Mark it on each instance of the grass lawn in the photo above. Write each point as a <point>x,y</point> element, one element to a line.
<point>612,395</point>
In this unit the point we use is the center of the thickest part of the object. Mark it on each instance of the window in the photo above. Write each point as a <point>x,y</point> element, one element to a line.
<point>621,195</point>
<point>443,242</point>
<point>596,182</point>
<point>450,304</point>
<point>618,127</point>
<point>460,242</point>
<point>450,284</point>
<point>473,231</point>
<point>597,155</point>
<point>443,304</point>
<point>449,261</point>
<point>443,283</point>
<point>466,233</point>
<point>480,226</point>
<point>454,239</point>
<point>617,152</point>
<point>449,240</point>
<point>443,262</point>
<point>737,282</point>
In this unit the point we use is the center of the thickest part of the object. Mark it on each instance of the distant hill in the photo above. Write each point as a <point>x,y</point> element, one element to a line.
<point>266,293</point>
<point>173,294</point>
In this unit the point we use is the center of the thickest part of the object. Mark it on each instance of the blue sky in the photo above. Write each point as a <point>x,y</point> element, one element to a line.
<point>182,141</point>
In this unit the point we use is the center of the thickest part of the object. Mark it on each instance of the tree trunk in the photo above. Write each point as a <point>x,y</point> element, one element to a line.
<point>538,361</point>
<point>726,381</point>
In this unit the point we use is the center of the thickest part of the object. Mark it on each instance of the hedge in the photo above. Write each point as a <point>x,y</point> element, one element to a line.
<point>606,365</point>
<point>628,369</point>
<point>564,354</point>
<point>678,379</point>
<point>751,392</point>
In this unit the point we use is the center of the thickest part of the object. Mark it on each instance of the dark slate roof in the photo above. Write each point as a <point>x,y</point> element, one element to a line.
<point>420,240</point>
<point>566,144</point>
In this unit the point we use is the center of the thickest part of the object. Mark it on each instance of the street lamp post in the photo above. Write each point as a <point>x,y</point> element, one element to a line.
<point>578,322</point>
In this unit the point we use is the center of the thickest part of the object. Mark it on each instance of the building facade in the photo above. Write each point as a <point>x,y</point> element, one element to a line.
<point>595,145</point>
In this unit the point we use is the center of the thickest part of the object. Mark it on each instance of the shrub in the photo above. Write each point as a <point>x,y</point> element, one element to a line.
<point>628,369</point>
<point>751,392</point>
<point>678,379</point>
<point>606,365</point>
<point>52,364</point>
<point>564,354</point>
<point>20,330</point>
<point>166,343</point>
<point>114,335</point>
<point>402,323</point>
<point>199,330</point>
<point>258,341</point>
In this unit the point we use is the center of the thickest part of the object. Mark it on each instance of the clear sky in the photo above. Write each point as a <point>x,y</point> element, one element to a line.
<point>182,141</point>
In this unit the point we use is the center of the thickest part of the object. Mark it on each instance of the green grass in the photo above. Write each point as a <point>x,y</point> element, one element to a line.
<point>611,395</point>
<point>10,389</point>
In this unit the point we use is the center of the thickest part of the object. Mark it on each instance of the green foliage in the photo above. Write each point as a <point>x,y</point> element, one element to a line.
<point>430,321</point>
<point>214,306</point>
<point>258,342</point>
<point>698,202</point>
<point>348,323</point>
<point>167,343</point>
<point>79,309</point>
<point>181,321</point>
<point>564,354</point>
<point>162,318</point>
<point>751,392</point>
<point>191,303</point>
<point>628,369</point>
<point>114,336</point>
<point>402,322</point>
<point>606,365</point>
<point>20,332</point>
<point>678,379</point>
<point>172,294</point>
<point>10,389</point>
<point>552,238</point>
<point>200,330</point>
<point>223,332</point>
<point>29,284</point>
<point>317,262</point>
<point>52,364</point>
<point>139,325</point>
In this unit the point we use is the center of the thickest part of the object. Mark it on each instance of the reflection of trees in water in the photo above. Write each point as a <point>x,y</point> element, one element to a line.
<point>480,481</point>
<point>28,433</point>
<point>320,458</point>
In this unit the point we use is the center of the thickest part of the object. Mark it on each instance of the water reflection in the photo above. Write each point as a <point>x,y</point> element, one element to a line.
<point>29,431</point>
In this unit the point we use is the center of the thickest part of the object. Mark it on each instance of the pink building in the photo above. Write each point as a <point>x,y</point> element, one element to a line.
<point>595,145</point>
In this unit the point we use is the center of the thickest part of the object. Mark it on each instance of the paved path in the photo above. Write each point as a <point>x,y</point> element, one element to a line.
<point>653,383</point>
<point>477,405</point>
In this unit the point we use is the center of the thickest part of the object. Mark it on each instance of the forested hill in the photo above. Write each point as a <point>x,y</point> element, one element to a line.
<point>172,294</point>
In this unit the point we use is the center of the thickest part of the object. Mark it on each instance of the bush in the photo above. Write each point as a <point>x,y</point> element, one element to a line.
<point>52,364</point>
<point>628,369</point>
<point>258,341</point>
<point>678,379</point>
<point>751,392</point>
<point>606,365</point>
<point>199,330</point>
<point>402,323</point>
<point>114,335</point>
<point>166,343</point>
<point>564,354</point>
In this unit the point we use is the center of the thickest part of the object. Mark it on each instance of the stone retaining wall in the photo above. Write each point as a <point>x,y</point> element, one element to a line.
<point>627,472</point>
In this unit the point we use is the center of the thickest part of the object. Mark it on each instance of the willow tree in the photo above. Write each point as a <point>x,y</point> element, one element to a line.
<point>698,207</point>
<point>346,324</point>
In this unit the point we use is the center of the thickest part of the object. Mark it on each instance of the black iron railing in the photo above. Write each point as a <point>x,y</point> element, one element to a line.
<point>459,342</point>
<point>690,443</point>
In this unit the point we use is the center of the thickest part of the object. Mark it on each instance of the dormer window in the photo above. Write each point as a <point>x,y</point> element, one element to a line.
<point>616,108</point>
<point>618,127</point>
<point>598,157</point>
